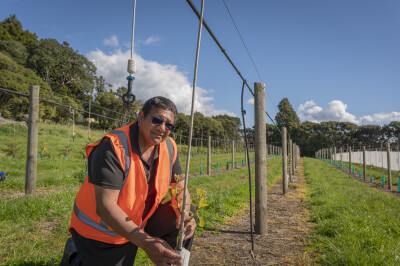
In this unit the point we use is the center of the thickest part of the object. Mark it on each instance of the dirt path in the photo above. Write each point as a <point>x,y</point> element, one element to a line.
<point>284,244</point>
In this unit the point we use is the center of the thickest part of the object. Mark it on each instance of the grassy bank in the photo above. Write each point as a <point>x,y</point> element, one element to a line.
<point>55,169</point>
<point>355,224</point>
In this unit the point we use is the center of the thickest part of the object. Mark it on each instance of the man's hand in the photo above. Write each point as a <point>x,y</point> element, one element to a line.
<point>190,226</point>
<point>160,253</point>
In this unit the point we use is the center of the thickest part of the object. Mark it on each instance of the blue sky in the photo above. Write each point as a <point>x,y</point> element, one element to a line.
<point>334,60</point>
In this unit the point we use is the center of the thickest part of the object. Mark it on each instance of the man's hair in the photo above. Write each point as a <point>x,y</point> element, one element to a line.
<point>160,102</point>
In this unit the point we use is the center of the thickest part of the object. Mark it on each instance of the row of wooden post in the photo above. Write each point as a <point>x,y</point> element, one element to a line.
<point>330,154</point>
<point>294,158</point>
<point>260,152</point>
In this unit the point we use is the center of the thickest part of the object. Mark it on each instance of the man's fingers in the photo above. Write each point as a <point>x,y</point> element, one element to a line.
<point>170,254</point>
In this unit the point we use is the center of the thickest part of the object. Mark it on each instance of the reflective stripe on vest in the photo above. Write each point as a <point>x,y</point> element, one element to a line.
<point>103,227</point>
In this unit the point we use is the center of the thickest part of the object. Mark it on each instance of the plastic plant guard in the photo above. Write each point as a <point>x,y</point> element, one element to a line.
<point>185,254</point>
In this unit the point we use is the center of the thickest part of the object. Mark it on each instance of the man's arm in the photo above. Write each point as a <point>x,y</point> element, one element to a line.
<point>107,209</point>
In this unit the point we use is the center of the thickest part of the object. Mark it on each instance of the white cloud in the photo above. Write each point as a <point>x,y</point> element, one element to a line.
<point>250,101</point>
<point>150,40</point>
<point>302,107</point>
<point>381,117</point>
<point>335,111</point>
<point>113,41</point>
<point>154,79</point>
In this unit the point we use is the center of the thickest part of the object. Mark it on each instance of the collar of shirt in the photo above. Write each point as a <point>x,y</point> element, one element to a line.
<point>133,133</point>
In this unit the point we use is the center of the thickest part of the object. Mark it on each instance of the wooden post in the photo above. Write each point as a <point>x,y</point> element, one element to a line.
<point>341,158</point>
<point>334,155</point>
<point>90,106</point>
<point>31,153</point>
<point>260,159</point>
<point>350,167</point>
<point>209,156</point>
<point>284,160</point>
<point>293,158</point>
<point>389,166</point>
<point>290,160</point>
<point>233,154</point>
<point>364,164</point>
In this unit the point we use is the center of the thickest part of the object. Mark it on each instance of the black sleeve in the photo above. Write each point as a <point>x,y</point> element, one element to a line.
<point>176,168</point>
<point>104,168</point>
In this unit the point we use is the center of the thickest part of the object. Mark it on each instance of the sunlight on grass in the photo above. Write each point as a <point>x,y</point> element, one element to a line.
<point>355,224</point>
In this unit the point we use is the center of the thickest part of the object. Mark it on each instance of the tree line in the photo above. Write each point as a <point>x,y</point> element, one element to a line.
<point>311,136</point>
<point>61,71</point>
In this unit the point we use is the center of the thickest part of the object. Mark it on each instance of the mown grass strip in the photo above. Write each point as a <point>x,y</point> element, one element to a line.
<point>34,229</point>
<point>355,225</point>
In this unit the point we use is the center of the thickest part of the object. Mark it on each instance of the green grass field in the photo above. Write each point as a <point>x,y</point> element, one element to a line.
<point>55,169</point>
<point>355,224</point>
<point>34,229</point>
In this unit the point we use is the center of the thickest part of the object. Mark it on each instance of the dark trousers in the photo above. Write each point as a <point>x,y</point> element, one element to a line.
<point>162,224</point>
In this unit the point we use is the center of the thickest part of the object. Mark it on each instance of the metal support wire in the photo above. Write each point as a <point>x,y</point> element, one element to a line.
<point>223,51</point>
<point>63,105</point>
<point>248,166</point>
<point>180,244</point>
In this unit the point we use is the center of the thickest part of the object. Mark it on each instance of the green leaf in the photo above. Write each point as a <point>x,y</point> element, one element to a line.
<point>203,203</point>
<point>201,193</point>
<point>201,222</point>
<point>165,201</point>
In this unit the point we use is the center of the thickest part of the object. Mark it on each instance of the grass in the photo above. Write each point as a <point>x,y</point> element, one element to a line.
<point>54,169</point>
<point>355,225</point>
<point>34,228</point>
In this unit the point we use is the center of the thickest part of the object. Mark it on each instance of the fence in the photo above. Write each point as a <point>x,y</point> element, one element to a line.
<point>387,160</point>
<point>373,157</point>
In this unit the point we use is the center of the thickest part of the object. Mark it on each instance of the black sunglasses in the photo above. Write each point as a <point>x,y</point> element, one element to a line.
<point>158,122</point>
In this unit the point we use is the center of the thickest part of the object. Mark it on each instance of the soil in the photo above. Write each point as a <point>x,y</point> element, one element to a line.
<point>288,232</point>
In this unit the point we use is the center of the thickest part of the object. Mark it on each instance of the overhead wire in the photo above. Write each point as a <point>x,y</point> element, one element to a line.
<point>251,58</point>
<point>224,52</point>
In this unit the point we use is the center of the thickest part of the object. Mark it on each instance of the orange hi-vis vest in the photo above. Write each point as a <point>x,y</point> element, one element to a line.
<point>133,193</point>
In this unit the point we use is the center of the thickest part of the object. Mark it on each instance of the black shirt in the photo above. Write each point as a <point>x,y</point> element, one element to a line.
<point>105,170</point>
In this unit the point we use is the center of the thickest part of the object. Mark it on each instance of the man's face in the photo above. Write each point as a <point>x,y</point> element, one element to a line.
<point>153,133</point>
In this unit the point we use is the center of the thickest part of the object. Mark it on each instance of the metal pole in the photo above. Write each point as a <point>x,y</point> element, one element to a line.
<point>180,243</point>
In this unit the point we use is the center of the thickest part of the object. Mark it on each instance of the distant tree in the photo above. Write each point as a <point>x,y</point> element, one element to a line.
<point>234,119</point>
<point>66,71</point>
<point>273,135</point>
<point>368,135</point>
<point>11,30</point>
<point>15,50</point>
<point>287,117</point>
<point>392,132</point>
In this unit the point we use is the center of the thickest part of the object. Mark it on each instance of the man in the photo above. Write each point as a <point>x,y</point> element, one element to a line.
<point>118,208</point>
